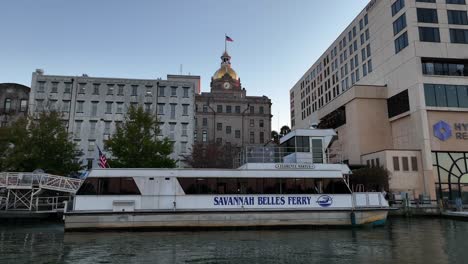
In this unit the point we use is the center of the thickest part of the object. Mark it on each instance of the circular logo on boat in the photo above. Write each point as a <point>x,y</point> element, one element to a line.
<point>324,201</point>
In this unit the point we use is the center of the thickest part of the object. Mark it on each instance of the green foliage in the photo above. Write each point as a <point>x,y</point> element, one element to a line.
<point>39,143</point>
<point>372,178</point>
<point>136,145</point>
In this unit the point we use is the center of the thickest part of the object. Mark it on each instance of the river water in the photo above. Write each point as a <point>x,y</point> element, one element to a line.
<point>417,240</point>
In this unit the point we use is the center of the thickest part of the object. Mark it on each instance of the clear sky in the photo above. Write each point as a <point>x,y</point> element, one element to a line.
<point>275,41</point>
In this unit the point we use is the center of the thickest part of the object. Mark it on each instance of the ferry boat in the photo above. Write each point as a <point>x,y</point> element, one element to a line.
<point>298,184</point>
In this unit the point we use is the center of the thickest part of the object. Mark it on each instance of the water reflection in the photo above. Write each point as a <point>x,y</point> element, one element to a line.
<point>401,241</point>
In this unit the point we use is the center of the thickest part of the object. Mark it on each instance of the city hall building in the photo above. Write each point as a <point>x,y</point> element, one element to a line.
<point>93,107</point>
<point>394,85</point>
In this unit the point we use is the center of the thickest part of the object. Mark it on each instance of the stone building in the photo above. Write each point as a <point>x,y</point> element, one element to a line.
<point>226,115</point>
<point>92,107</point>
<point>394,84</point>
<point>14,102</point>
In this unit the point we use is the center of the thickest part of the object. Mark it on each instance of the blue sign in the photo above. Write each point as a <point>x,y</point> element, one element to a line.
<point>442,131</point>
<point>325,201</point>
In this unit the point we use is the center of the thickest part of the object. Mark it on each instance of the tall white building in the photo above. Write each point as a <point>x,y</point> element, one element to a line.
<point>92,107</point>
<point>394,85</point>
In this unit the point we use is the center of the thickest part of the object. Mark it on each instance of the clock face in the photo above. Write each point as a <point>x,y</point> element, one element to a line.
<point>226,85</point>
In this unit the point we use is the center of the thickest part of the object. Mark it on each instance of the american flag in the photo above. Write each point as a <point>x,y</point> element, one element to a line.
<point>229,39</point>
<point>102,160</point>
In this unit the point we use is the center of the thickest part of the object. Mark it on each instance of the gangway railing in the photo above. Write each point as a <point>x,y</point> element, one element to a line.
<point>26,180</point>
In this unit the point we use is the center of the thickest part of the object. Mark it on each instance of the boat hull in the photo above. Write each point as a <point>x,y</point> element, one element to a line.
<point>221,220</point>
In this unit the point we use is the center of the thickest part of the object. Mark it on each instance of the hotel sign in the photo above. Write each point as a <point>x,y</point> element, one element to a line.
<point>444,131</point>
<point>294,166</point>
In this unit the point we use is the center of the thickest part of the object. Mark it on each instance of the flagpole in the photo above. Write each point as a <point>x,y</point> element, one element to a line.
<point>225,42</point>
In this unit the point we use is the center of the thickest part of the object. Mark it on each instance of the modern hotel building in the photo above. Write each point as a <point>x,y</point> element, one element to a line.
<point>394,85</point>
<point>92,107</point>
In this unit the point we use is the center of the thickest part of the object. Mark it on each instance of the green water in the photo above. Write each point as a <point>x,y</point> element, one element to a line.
<point>417,240</point>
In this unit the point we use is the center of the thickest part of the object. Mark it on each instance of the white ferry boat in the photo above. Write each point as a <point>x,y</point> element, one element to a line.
<point>300,186</point>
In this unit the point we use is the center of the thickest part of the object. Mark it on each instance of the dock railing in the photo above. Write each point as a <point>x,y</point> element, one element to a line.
<point>27,180</point>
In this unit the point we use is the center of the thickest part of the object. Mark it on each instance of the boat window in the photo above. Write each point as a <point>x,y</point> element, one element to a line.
<point>262,186</point>
<point>109,186</point>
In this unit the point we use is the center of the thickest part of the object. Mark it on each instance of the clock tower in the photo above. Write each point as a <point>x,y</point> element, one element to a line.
<point>225,79</point>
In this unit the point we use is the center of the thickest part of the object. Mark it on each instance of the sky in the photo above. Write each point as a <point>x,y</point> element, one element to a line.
<point>275,41</point>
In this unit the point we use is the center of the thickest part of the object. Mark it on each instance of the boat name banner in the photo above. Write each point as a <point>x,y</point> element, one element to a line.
<point>320,200</point>
<point>289,166</point>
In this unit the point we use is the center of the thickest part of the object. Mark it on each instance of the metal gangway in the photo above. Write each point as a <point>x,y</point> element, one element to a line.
<point>25,191</point>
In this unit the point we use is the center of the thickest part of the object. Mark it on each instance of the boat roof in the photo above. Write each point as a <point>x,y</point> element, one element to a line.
<point>279,172</point>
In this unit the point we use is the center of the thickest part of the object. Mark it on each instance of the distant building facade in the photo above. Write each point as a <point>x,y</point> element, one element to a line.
<point>226,115</point>
<point>14,99</point>
<point>92,107</point>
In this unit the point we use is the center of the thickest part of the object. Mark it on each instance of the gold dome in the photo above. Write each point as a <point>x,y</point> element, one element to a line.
<point>225,69</point>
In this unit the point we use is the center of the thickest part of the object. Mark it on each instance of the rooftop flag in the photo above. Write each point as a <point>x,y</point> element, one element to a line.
<point>229,39</point>
<point>102,159</point>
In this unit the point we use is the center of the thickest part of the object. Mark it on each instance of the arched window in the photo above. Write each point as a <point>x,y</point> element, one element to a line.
<point>7,105</point>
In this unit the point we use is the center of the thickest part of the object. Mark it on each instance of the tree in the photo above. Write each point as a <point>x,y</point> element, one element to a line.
<point>212,155</point>
<point>372,178</point>
<point>39,143</point>
<point>136,144</point>
<point>275,136</point>
<point>284,131</point>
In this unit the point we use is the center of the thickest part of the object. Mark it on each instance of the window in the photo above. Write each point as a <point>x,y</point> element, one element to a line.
<point>205,121</point>
<point>119,108</point>
<point>108,107</point>
<point>205,108</point>
<point>65,106</point>
<point>228,129</point>
<point>92,127</point>
<point>364,70</point>
<point>186,92</point>
<point>7,105</point>
<point>366,19</point>
<point>252,122</point>
<point>401,42</point>
<point>109,186</point>
<point>361,24</point>
<point>228,109</point>
<point>148,107</point>
<point>252,137</point>
<point>219,126</point>
<point>184,129</point>
<point>396,164</point>
<point>41,87</point>
<point>369,66</point>
<point>237,134</point>
<point>161,91</point>
<point>174,91</point>
<point>399,24</point>
<point>456,2</point>
<point>120,90</point>
<point>160,109</point>
<point>110,89</point>
<point>82,88</point>
<point>362,39</point>
<point>107,125</point>
<point>414,163</point>
<point>78,128</point>
<point>260,123</point>
<point>363,54</point>
<point>183,147</point>
<point>367,34</point>
<point>23,105</point>
<point>397,6</point>
<point>185,109</point>
<point>67,87</point>
<point>91,145</point>
<point>459,36</point>
<point>54,87</point>
<point>79,106</point>
<point>404,162</point>
<point>398,104</point>
<point>173,111</point>
<point>457,17</point>
<point>317,150</point>
<point>219,108</point>
<point>428,34</point>
<point>96,88</point>
<point>204,136</point>
<point>219,141</point>
<point>195,136</point>
<point>426,15</point>
<point>449,67</point>
<point>440,95</point>
<point>149,90</point>
<point>252,109</point>
<point>426,1</point>
<point>261,110</point>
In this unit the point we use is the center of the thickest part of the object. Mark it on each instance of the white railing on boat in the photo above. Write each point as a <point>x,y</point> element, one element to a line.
<point>369,199</point>
<point>27,180</point>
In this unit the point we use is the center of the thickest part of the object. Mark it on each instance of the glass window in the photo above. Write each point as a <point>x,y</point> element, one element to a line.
<point>396,164</point>
<point>457,17</point>
<point>452,97</point>
<point>441,96</point>
<point>110,89</point>
<point>429,94</point>
<point>24,105</point>
<point>185,109</point>
<point>54,87</point>
<point>404,162</point>
<point>186,92</point>
<point>96,88</point>
<point>397,6</point>
<point>161,91</point>
<point>398,104</point>
<point>219,126</point>
<point>401,42</point>
<point>456,2</point>
<point>317,150</point>
<point>173,111</point>
<point>428,34</point>
<point>108,107</point>
<point>219,108</point>
<point>82,88</point>
<point>426,15</point>
<point>160,109</point>
<point>459,36</point>
<point>399,24</point>
<point>237,134</point>
<point>414,163</point>
<point>173,91</point>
